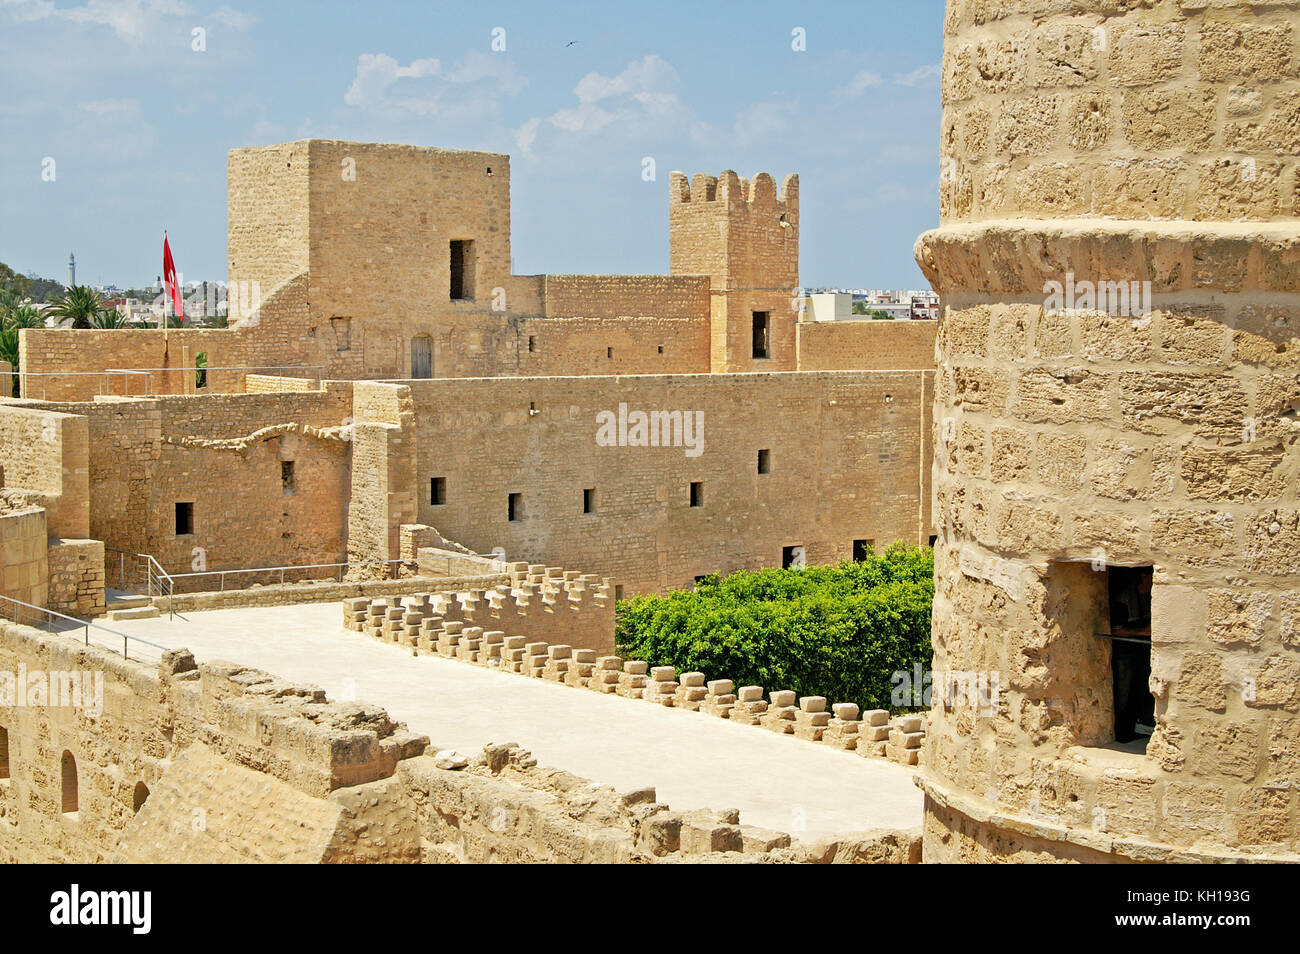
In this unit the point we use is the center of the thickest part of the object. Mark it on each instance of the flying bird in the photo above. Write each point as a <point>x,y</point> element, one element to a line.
<point>570,43</point>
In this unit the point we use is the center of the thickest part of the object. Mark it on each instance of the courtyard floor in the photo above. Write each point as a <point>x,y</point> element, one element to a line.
<point>694,761</point>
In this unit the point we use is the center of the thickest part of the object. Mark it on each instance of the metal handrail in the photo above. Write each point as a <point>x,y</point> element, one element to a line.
<point>341,567</point>
<point>86,625</point>
<point>153,571</point>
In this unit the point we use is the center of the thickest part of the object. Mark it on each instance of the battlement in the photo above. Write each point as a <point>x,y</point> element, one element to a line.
<point>733,191</point>
<point>540,604</point>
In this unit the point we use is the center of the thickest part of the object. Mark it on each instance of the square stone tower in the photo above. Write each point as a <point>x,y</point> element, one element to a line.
<point>746,239</point>
<point>356,249</point>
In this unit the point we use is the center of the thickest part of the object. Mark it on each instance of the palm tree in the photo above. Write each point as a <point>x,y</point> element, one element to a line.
<point>108,318</point>
<point>79,304</point>
<point>13,316</point>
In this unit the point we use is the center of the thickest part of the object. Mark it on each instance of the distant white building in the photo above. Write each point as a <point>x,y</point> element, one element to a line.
<point>829,306</point>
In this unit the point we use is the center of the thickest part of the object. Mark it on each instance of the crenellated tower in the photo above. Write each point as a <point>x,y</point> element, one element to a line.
<point>745,237</point>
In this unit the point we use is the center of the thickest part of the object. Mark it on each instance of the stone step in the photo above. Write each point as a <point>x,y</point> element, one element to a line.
<point>134,612</point>
<point>127,602</point>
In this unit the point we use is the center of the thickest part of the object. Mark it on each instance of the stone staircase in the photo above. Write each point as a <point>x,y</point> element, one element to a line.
<point>126,606</point>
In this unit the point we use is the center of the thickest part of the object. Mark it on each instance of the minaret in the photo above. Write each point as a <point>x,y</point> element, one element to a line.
<point>72,269</point>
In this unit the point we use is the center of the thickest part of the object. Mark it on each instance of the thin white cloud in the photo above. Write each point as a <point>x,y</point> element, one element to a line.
<point>862,81</point>
<point>424,88</point>
<point>132,20</point>
<point>927,75</point>
<point>640,98</point>
<point>233,19</point>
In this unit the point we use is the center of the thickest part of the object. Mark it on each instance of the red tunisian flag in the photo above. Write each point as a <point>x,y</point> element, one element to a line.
<point>169,280</point>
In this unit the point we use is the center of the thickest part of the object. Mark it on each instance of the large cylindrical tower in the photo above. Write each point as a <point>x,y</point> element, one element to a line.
<point>1116,423</point>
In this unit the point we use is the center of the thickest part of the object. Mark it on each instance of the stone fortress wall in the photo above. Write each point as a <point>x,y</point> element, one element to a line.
<point>325,476</point>
<point>303,214</point>
<point>1071,441</point>
<point>178,763</point>
<point>310,439</point>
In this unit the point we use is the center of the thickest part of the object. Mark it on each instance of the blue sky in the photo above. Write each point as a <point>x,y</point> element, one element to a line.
<point>138,123</point>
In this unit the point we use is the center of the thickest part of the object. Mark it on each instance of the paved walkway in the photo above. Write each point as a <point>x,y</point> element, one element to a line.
<point>693,760</point>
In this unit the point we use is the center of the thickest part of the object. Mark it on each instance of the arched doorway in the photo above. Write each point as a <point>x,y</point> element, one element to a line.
<point>69,771</point>
<point>421,356</point>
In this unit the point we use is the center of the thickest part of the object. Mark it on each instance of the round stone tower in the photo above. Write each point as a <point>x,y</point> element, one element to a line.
<point>1117,464</point>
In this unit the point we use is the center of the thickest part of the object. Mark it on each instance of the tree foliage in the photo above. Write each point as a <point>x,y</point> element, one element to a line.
<point>836,631</point>
<point>80,306</point>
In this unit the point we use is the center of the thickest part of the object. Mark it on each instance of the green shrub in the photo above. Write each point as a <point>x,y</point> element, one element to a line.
<point>834,631</point>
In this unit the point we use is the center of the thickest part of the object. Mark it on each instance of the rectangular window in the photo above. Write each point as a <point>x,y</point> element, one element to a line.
<point>184,519</point>
<point>286,477</point>
<point>764,461</point>
<point>933,541</point>
<point>437,491</point>
<point>792,557</point>
<point>462,270</point>
<point>761,334</point>
<point>697,493</point>
<point>1128,589</point>
<point>609,352</point>
<point>862,549</point>
<point>589,500</point>
<point>532,343</point>
<point>618,591</point>
<point>515,507</point>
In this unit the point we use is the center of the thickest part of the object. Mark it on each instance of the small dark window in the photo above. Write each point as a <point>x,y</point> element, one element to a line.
<point>609,352</point>
<point>532,342</point>
<point>862,549</point>
<point>201,371</point>
<point>933,541</point>
<point>69,770</point>
<point>589,500</point>
<point>4,753</point>
<point>697,493</point>
<point>139,796</point>
<point>702,579</point>
<point>792,557</point>
<point>184,519</point>
<point>286,477</point>
<point>1129,590</point>
<point>761,334</point>
<point>618,591</point>
<point>437,491</point>
<point>515,507</point>
<point>764,461</point>
<point>462,270</point>
<point>661,349</point>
